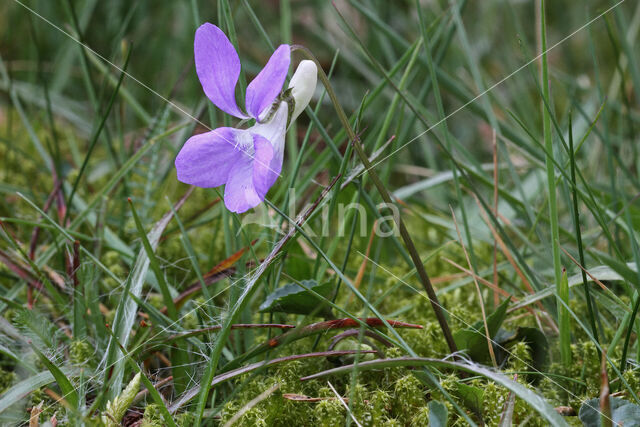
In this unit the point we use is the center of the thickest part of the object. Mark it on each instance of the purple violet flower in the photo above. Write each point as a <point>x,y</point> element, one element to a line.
<point>247,161</point>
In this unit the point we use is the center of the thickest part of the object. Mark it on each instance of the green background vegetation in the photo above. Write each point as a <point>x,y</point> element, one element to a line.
<point>97,252</point>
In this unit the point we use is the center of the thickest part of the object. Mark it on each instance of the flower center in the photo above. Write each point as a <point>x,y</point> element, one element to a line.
<point>244,143</point>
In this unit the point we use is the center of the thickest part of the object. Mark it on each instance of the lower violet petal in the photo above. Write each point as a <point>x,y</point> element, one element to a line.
<point>253,173</point>
<point>206,159</point>
<point>240,194</point>
<point>266,166</point>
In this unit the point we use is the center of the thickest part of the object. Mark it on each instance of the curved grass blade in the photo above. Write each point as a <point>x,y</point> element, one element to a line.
<point>536,401</point>
<point>34,382</point>
<point>190,394</point>
<point>126,311</point>
<point>68,390</point>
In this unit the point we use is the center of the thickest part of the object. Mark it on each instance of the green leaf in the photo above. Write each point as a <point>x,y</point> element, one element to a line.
<point>438,414</point>
<point>26,386</point>
<point>623,413</point>
<point>538,344</point>
<point>68,390</point>
<point>473,339</point>
<point>472,397</point>
<point>294,298</point>
<point>534,338</point>
<point>127,308</point>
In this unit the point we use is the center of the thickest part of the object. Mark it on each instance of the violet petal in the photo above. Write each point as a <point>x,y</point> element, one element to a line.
<point>262,91</point>
<point>266,166</point>
<point>251,176</point>
<point>218,68</point>
<point>206,159</point>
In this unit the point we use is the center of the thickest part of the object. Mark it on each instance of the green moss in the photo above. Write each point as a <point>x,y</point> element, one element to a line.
<point>392,422</point>
<point>190,321</point>
<point>409,395</point>
<point>421,417</point>
<point>520,358</point>
<point>49,406</point>
<point>426,342</point>
<point>81,352</point>
<point>329,413</point>
<point>152,416</point>
<point>156,300</point>
<point>185,419</point>
<point>7,378</point>
<point>380,406</point>
<point>360,407</point>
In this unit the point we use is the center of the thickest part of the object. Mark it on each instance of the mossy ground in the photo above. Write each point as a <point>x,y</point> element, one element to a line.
<point>54,96</point>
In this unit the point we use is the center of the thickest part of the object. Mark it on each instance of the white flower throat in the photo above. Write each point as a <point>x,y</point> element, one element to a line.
<point>244,143</point>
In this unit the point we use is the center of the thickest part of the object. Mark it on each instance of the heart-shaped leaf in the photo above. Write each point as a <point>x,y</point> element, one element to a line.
<point>623,413</point>
<point>296,299</point>
<point>438,414</point>
<point>471,397</point>
<point>473,339</point>
<point>534,338</point>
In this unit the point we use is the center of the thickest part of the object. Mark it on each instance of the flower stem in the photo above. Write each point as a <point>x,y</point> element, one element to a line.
<point>413,253</point>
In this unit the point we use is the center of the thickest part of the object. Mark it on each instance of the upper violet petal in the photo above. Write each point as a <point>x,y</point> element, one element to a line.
<point>206,159</point>
<point>262,91</point>
<point>218,68</point>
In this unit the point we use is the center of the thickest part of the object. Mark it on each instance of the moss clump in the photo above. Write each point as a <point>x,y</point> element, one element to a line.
<point>408,397</point>
<point>156,300</point>
<point>49,406</point>
<point>81,352</point>
<point>113,261</point>
<point>520,358</point>
<point>185,419</point>
<point>426,342</point>
<point>153,417</point>
<point>380,406</point>
<point>358,404</point>
<point>329,413</point>
<point>421,417</point>
<point>392,422</point>
<point>493,401</point>
<point>190,321</point>
<point>632,377</point>
<point>7,378</point>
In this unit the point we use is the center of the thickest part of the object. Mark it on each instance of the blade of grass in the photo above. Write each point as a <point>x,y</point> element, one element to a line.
<point>96,134</point>
<point>68,390</point>
<point>127,308</point>
<point>563,318</point>
<point>576,224</point>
